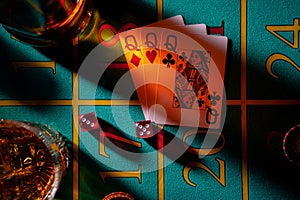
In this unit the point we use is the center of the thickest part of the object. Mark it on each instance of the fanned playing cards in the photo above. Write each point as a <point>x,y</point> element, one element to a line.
<point>178,71</point>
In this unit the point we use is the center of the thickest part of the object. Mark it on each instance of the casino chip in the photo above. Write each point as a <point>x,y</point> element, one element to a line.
<point>118,196</point>
<point>291,145</point>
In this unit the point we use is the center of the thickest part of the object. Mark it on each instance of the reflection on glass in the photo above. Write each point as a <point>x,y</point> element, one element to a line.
<point>40,22</point>
<point>33,160</point>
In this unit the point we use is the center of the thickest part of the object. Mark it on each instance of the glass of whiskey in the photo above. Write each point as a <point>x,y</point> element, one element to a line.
<point>45,23</point>
<point>33,160</point>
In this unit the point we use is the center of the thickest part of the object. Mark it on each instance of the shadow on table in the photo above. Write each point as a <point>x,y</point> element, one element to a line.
<point>90,183</point>
<point>278,171</point>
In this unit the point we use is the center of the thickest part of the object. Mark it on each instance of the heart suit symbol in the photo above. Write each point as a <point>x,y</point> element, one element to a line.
<point>151,55</point>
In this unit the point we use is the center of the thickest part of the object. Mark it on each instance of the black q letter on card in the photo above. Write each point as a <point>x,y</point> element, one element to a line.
<point>151,40</point>
<point>131,43</point>
<point>211,115</point>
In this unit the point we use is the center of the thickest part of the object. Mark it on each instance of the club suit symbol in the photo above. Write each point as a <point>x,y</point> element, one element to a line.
<point>168,60</point>
<point>214,98</point>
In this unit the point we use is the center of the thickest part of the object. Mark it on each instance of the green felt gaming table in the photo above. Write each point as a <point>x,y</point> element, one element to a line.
<point>262,84</point>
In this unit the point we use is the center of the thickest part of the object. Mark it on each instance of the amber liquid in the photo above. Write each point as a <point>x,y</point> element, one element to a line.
<point>27,166</point>
<point>45,23</point>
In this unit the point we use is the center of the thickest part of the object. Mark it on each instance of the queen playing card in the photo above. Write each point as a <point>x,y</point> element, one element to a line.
<point>182,72</point>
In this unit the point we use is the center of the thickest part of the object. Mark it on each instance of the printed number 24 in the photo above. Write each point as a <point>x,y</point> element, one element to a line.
<point>295,28</point>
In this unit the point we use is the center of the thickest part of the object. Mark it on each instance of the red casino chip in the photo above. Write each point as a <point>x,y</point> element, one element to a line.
<point>118,196</point>
<point>291,145</point>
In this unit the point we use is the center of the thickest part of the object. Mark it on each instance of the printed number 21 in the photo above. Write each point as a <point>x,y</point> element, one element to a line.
<point>295,28</point>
